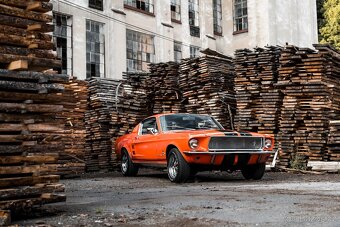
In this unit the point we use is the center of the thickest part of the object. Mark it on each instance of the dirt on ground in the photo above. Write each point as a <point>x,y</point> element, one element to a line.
<point>211,199</point>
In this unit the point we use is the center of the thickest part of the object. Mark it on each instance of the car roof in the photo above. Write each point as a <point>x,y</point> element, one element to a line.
<point>164,114</point>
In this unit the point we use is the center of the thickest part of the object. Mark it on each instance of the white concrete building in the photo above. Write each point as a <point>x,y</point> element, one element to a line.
<point>107,37</point>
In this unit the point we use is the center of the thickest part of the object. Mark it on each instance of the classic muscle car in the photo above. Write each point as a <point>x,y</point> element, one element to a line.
<point>188,143</point>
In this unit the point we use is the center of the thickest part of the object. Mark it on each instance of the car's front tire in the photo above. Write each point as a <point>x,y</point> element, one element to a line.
<point>127,167</point>
<point>178,168</point>
<point>254,172</point>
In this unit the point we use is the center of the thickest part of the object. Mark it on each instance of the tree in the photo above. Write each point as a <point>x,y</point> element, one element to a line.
<point>320,16</point>
<point>330,32</point>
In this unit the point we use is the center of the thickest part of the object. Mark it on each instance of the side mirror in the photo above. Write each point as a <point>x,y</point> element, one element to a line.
<point>152,131</point>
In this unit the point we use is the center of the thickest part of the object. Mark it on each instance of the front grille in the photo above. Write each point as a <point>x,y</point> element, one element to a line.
<point>233,143</point>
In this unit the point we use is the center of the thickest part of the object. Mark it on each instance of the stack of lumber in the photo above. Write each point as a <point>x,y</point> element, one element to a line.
<point>207,84</point>
<point>30,140</point>
<point>334,140</point>
<point>72,160</point>
<point>24,43</point>
<point>162,85</point>
<point>134,104</point>
<point>310,82</point>
<point>258,101</point>
<point>102,102</point>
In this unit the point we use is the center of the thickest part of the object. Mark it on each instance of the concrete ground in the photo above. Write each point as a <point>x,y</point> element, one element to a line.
<point>211,199</point>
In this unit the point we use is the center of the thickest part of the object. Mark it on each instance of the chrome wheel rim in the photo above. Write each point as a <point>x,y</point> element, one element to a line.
<point>125,163</point>
<point>173,167</point>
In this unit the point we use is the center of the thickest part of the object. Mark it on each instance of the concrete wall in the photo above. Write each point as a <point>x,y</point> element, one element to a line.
<point>272,22</point>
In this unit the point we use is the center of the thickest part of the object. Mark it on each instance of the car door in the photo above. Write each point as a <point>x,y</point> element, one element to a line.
<point>144,145</point>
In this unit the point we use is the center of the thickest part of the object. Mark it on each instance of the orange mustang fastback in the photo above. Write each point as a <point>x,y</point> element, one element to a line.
<point>188,143</point>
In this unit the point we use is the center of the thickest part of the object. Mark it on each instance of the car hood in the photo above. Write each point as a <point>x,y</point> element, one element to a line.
<point>207,133</point>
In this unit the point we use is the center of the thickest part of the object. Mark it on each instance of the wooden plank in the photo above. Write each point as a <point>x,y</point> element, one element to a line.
<point>30,192</point>
<point>35,76</point>
<point>25,23</point>
<point>28,180</point>
<point>32,61</point>
<point>22,204</point>
<point>39,7</point>
<point>36,108</point>
<point>31,87</point>
<point>23,51</point>
<point>13,11</point>
<point>30,159</point>
<point>18,65</point>
<point>41,169</point>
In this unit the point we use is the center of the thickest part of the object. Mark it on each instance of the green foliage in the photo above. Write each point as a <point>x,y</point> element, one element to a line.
<point>320,16</point>
<point>298,162</point>
<point>330,32</point>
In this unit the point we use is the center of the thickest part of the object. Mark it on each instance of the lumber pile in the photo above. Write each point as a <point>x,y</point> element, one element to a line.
<point>258,100</point>
<point>162,85</point>
<point>74,99</point>
<point>207,84</point>
<point>30,140</point>
<point>134,104</point>
<point>102,103</point>
<point>309,80</point>
<point>334,140</point>
<point>24,42</point>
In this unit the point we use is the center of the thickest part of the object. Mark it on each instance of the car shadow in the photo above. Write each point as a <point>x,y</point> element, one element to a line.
<point>201,177</point>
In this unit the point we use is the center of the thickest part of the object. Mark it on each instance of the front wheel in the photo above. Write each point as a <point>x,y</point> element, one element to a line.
<point>254,172</point>
<point>178,168</point>
<point>126,166</point>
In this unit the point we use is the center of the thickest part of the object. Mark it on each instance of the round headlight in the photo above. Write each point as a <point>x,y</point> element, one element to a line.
<point>267,143</point>
<point>193,143</point>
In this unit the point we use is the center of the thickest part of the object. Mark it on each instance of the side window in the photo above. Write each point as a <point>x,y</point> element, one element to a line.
<point>149,124</point>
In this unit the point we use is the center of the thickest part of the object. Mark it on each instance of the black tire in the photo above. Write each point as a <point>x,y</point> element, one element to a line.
<point>254,172</point>
<point>126,166</point>
<point>178,168</point>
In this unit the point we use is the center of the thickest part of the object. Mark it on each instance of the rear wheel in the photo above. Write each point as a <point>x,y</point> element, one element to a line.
<point>254,172</point>
<point>178,168</point>
<point>126,166</point>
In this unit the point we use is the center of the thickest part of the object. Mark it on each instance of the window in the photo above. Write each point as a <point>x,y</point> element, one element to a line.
<point>194,51</point>
<point>95,56</point>
<point>217,15</point>
<point>175,8</point>
<point>140,50</point>
<point>240,15</point>
<point>145,5</point>
<point>194,18</point>
<point>149,124</point>
<point>96,4</point>
<point>177,51</point>
<point>62,39</point>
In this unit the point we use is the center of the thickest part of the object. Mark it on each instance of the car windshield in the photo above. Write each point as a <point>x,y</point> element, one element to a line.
<point>188,122</point>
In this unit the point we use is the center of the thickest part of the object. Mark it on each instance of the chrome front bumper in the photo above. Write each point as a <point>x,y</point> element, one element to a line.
<point>227,152</point>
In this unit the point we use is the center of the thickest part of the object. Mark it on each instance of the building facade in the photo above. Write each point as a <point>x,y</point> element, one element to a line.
<point>105,37</point>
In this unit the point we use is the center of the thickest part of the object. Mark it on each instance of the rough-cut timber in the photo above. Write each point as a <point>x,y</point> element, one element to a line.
<point>162,87</point>
<point>309,80</point>
<point>30,141</point>
<point>207,84</point>
<point>23,25</point>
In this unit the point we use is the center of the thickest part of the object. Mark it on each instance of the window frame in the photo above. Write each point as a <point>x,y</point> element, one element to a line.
<point>96,4</point>
<point>135,48</point>
<point>217,17</point>
<point>194,18</point>
<point>94,45</point>
<point>176,3</point>
<point>140,131</point>
<point>128,4</point>
<point>176,51</point>
<point>67,64</point>
<point>243,17</point>
<point>196,48</point>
